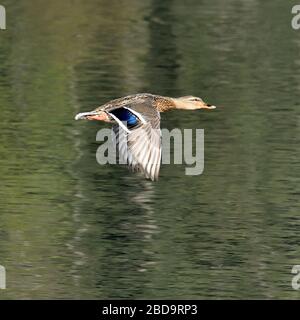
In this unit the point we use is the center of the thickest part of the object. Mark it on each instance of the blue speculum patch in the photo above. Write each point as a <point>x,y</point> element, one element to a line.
<point>126,116</point>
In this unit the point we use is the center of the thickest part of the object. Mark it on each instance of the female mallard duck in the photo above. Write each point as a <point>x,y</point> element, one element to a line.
<point>136,118</point>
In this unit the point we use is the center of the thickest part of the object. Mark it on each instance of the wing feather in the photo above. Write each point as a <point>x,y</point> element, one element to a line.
<point>140,147</point>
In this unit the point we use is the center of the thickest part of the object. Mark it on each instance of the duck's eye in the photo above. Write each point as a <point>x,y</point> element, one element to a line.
<point>196,99</point>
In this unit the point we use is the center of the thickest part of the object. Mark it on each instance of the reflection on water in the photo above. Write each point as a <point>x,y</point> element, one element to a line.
<point>70,228</point>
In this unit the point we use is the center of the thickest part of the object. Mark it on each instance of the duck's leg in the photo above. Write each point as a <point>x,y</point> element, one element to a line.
<point>94,115</point>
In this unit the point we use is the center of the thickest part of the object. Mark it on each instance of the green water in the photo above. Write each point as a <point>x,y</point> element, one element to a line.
<point>70,228</point>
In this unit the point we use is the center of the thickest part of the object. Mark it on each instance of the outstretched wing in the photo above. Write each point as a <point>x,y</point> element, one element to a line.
<point>139,141</point>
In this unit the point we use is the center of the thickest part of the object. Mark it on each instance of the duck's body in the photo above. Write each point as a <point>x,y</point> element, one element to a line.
<point>159,103</point>
<point>136,126</point>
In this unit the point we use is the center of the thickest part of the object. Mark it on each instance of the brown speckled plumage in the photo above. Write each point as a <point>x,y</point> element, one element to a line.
<point>159,103</point>
<point>163,103</point>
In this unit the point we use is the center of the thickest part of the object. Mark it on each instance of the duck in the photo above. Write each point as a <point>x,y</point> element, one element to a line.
<point>136,130</point>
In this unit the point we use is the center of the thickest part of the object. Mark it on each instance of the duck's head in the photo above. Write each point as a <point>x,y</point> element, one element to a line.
<point>191,103</point>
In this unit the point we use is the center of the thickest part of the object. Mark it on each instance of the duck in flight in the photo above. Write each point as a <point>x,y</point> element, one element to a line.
<point>136,126</point>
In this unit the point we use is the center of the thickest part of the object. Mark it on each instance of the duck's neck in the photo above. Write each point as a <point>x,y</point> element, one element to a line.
<point>165,104</point>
